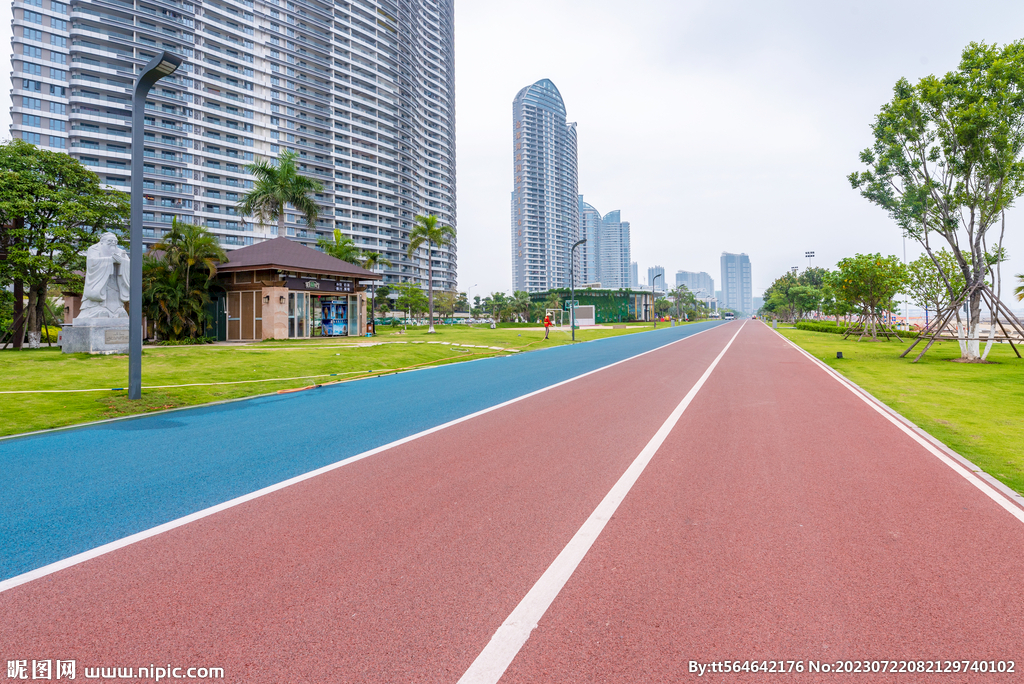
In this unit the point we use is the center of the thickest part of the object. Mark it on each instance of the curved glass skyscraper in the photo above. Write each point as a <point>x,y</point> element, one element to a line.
<point>362,91</point>
<point>545,208</point>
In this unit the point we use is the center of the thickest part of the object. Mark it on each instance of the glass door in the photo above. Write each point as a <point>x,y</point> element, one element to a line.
<point>298,314</point>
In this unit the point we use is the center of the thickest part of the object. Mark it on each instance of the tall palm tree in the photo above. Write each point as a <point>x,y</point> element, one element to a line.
<point>278,185</point>
<point>370,262</point>
<point>343,247</point>
<point>427,230</point>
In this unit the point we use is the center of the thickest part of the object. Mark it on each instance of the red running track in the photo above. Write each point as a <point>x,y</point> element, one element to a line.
<point>783,518</point>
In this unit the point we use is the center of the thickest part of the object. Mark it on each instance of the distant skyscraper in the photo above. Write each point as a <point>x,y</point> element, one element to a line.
<point>653,271</point>
<point>701,284</point>
<point>634,276</point>
<point>737,287</point>
<point>607,247</point>
<point>545,202</point>
<point>590,219</point>
<point>363,93</point>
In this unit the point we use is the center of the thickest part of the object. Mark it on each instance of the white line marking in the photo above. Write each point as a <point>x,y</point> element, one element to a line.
<point>153,531</point>
<point>986,488</point>
<point>492,662</point>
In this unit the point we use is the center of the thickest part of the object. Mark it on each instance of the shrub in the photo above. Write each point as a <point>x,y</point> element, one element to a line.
<point>185,341</point>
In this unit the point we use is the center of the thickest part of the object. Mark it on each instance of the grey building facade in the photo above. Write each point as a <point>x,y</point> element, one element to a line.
<point>701,284</point>
<point>737,286</point>
<point>607,259</point>
<point>545,207</point>
<point>362,91</point>
<point>657,271</point>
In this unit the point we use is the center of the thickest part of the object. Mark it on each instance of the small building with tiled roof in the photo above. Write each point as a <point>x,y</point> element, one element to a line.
<point>281,289</point>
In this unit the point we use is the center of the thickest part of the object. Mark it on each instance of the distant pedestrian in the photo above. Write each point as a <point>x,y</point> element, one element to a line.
<point>547,325</point>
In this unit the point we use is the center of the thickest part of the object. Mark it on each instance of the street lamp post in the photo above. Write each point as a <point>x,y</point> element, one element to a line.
<point>654,311</point>
<point>572,286</point>
<point>164,64</point>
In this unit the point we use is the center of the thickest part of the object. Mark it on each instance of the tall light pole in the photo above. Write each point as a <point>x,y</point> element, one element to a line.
<point>572,286</point>
<point>653,310</point>
<point>809,256</point>
<point>164,64</point>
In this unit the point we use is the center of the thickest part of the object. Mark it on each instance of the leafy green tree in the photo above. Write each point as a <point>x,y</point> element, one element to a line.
<point>51,210</point>
<point>946,162</point>
<point>925,284</point>
<point>176,278</point>
<point>278,185</point>
<point>869,283</point>
<point>410,298</point>
<point>341,247</point>
<point>427,230</point>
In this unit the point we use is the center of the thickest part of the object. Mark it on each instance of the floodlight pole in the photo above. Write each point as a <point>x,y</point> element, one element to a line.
<point>572,286</point>
<point>654,312</point>
<point>164,64</point>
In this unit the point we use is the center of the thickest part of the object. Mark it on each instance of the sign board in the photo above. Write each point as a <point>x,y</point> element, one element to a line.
<point>115,336</point>
<point>318,285</point>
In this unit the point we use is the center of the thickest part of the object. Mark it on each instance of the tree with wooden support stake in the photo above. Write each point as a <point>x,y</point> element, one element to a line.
<point>868,283</point>
<point>946,164</point>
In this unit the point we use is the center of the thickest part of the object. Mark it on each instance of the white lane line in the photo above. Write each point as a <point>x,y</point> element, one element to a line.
<point>492,662</point>
<point>159,529</point>
<point>887,413</point>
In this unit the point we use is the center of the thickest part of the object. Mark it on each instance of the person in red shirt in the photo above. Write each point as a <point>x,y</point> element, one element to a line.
<point>547,324</point>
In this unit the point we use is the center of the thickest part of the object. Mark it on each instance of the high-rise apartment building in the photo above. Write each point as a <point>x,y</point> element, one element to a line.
<point>737,286</point>
<point>700,284</point>
<point>363,91</point>
<point>545,209</point>
<point>634,276</point>
<point>657,271</point>
<point>607,252</point>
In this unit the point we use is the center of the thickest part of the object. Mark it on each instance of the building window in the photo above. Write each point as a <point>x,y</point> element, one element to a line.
<point>31,103</point>
<point>30,120</point>
<point>56,141</point>
<point>33,17</point>
<point>33,138</point>
<point>57,108</point>
<point>58,24</point>
<point>32,34</point>
<point>31,51</point>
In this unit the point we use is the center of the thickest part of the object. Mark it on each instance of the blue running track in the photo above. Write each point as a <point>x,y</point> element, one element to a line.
<point>68,491</point>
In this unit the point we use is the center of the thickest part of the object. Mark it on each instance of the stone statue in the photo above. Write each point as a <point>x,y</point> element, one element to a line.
<point>106,280</point>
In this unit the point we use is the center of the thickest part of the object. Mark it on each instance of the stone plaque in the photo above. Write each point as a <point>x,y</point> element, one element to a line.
<point>115,336</point>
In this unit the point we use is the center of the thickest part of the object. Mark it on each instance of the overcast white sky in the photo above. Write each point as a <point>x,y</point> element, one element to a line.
<point>727,125</point>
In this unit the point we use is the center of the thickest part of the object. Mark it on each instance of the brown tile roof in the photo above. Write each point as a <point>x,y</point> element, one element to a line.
<point>288,255</point>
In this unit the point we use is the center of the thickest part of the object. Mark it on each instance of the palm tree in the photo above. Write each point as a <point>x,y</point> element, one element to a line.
<point>521,304</point>
<point>172,300</point>
<point>278,185</point>
<point>188,245</point>
<point>343,247</point>
<point>370,262</point>
<point>1019,290</point>
<point>427,230</point>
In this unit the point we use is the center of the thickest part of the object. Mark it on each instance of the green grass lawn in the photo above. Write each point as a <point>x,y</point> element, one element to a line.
<point>301,363</point>
<point>975,409</point>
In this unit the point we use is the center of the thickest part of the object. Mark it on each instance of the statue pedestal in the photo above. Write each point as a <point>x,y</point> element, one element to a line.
<point>95,336</point>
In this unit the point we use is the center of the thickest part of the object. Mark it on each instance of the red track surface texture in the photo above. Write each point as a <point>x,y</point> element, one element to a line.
<point>782,519</point>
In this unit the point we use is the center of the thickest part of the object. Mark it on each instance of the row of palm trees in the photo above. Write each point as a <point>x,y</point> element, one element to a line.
<point>280,184</point>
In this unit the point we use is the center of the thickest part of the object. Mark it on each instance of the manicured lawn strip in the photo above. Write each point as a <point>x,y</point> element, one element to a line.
<point>975,409</point>
<point>47,368</point>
